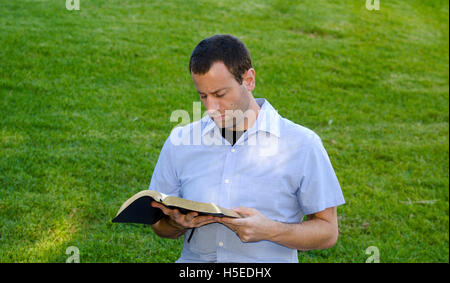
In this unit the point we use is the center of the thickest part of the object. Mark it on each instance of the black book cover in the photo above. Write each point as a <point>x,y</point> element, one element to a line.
<point>140,211</point>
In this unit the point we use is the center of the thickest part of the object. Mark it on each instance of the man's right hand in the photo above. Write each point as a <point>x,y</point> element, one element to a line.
<point>184,221</point>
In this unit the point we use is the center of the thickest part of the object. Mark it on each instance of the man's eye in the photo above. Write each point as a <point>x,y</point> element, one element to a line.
<point>202,96</point>
<point>220,95</point>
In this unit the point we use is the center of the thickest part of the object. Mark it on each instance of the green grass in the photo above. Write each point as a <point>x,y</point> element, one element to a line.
<point>86,96</point>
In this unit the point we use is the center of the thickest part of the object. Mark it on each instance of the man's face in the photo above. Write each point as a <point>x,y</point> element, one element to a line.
<point>223,96</point>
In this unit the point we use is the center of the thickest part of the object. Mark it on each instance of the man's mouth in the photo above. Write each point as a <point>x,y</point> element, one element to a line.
<point>219,117</point>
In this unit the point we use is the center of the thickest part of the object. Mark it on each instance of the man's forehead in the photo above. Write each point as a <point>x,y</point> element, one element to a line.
<point>217,71</point>
<point>216,78</point>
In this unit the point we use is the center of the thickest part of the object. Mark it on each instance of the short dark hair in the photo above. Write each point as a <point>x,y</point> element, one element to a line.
<point>221,48</point>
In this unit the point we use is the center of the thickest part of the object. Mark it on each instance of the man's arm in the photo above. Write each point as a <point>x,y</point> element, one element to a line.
<point>174,223</point>
<point>319,231</point>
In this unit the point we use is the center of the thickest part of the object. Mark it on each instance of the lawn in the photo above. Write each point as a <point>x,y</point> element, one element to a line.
<point>86,98</point>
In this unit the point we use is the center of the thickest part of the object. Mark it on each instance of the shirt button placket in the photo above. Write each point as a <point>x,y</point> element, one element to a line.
<point>227,176</point>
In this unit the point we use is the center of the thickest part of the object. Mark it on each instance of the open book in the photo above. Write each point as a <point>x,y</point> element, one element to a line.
<point>138,209</point>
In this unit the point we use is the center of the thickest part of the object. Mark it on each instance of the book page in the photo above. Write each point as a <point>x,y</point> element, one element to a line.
<point>198,206</point>
<point>191,205</point>
<point>163,196</point>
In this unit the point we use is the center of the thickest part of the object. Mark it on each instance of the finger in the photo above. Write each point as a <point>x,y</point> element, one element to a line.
<point>190,216</point>
<point>157,204</point>
<point>228,220</point>
<point>199,224</point>
<point>238,222</point>
<point>202,223</point>
<point>165,210</point>
<point>176,214</point>
<point>202,218</point>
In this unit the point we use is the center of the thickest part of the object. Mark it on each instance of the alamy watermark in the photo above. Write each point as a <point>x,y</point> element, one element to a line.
<point>374,253</point>
<point>187,133</point>
<point>373,5</point>
<point>73,5</point>
<point>74,254</point>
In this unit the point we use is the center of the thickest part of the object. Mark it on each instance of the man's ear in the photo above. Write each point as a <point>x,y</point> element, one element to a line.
<point>249,79</point>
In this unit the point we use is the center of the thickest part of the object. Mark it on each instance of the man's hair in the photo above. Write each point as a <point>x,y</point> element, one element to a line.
<point>221,48</point>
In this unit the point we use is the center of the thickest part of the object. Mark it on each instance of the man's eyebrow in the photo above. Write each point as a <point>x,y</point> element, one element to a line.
<point>214,92</point>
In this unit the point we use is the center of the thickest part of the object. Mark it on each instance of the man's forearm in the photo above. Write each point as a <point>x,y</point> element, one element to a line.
<point>309,235</point>
<point>167,229</point>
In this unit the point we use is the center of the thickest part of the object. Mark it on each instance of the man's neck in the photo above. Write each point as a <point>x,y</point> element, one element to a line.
<point>250,117</point>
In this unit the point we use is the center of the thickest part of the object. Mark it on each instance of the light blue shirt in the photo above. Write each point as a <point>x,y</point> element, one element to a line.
<point>277,167</point>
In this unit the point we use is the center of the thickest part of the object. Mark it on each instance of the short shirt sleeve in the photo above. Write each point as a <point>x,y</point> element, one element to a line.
<point>165,178</point>
<point>319,187</point>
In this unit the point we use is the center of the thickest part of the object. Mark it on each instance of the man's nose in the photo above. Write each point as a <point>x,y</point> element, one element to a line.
<point>212,106</point>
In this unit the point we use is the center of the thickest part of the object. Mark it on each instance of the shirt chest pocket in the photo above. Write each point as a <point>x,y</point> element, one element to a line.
<point>203,241</point>
<point>262,194</point>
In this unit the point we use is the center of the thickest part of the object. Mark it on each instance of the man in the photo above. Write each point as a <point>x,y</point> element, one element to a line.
<point>271,171</point>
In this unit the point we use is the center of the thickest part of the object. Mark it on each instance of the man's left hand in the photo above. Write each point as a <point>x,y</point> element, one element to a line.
<point>252,227</point>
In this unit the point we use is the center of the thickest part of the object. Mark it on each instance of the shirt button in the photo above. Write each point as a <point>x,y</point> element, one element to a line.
<point>220,244</point>
<point>227,181</point>
<point>233,150</point>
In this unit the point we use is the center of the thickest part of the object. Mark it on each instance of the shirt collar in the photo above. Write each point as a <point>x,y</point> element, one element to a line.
<point>268,120</point>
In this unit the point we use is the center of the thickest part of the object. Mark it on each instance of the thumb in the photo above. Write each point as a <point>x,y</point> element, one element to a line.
<point>245,211</point>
